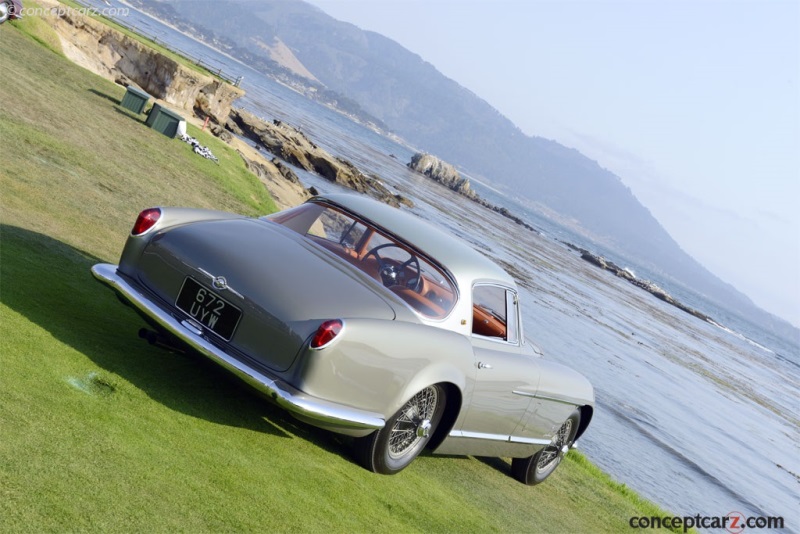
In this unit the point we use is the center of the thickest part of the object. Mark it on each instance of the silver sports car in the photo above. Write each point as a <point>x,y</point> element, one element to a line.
<point>361,319</point>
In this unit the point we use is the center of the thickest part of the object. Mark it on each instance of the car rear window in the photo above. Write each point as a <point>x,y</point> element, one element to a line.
<point>397,265</point>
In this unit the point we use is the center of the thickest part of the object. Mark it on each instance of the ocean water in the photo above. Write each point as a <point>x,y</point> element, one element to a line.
<point>699,418</point>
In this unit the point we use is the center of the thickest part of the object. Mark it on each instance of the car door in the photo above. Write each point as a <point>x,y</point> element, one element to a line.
<point>497,407</point>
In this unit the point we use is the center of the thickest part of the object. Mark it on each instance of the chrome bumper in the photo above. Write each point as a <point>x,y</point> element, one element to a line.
<point>316,411</point>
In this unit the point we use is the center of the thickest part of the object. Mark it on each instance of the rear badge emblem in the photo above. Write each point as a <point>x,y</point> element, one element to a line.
<point>217,282</point>
<point>220,283</point>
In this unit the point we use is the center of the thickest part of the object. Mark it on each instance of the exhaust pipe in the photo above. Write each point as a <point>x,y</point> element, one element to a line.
<point>160,340</point>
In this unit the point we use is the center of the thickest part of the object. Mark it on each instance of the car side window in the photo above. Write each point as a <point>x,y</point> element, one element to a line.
<point>494,313</point>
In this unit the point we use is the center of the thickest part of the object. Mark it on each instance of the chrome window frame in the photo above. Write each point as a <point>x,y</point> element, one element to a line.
<point>518,315</point>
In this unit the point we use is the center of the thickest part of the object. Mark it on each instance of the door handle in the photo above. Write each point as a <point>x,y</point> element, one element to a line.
<point>482,365</point>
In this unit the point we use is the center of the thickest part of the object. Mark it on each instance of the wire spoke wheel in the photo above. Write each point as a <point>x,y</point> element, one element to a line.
<point>553,453</point>
<point>535,469</point>
<point>390,449</point>
<point>412,421</point>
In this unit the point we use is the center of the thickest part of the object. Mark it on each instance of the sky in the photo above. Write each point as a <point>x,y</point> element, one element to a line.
<point>695,105</point>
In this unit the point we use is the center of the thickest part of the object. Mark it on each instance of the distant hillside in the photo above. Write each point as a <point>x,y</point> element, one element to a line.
<point>377,80</point>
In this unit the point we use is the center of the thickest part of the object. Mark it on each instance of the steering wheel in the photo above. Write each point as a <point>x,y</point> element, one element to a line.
<point>391,274</point>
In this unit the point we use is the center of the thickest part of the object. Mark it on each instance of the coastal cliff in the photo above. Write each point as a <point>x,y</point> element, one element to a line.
<point>96,46</point>
<point>110,53</point>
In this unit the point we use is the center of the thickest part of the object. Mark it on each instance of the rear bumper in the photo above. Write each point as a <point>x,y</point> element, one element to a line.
<point>316,411</point>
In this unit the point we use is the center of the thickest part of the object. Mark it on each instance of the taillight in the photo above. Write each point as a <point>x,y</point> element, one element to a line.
<point>326,333</point>
<point>146,220</point>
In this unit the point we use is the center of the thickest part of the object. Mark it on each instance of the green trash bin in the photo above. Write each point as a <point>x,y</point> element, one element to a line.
<point>163,120</point>
<point>135,99</point>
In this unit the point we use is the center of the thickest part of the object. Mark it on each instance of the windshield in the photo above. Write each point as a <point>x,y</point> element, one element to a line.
<point>397,265</point>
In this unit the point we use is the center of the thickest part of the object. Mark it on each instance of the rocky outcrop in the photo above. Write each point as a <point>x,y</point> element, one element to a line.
<point>271,170</point>
<point>117,57</point>
<point>505,213</point>
<point>447,175</point>
<point>647,285</point>
<point>280,180</point>
<point>442,172</point>
<point>292,145</point>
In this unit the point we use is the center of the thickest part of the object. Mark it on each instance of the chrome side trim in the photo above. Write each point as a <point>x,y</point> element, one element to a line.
<point>530,441</point>
<point>309,408</point>
<point>477,435</point>
<point>498,437</point>
<point>563,400</point>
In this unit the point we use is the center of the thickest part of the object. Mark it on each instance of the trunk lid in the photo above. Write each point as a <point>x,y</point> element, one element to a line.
<point>284,285</point>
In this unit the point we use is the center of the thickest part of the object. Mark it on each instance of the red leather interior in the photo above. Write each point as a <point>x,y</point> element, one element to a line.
<point>486,324</point>
<point>426,301</point>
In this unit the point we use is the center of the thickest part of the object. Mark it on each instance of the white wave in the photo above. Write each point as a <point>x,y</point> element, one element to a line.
<point>741,336</point>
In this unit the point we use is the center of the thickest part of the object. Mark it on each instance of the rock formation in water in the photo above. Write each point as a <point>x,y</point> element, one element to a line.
<point>292,145</point>
<point>647,285</point>
<point>447,175</point>
<point>442,172</point>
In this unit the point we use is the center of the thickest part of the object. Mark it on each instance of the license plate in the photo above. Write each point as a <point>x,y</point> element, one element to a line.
<point>208,308</point>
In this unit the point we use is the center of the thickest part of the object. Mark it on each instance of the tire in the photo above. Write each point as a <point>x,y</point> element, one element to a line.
<point>390,449</point>
<point>535,469</point>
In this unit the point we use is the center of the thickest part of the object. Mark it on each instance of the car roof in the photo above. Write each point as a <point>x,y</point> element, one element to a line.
<point>463,261</point>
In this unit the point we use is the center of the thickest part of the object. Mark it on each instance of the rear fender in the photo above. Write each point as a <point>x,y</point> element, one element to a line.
<point>437,373</point>
<point>170,217</point>
<point>378,365</point>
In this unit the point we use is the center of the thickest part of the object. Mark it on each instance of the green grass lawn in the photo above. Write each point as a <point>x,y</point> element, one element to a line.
<point>101,432</point>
